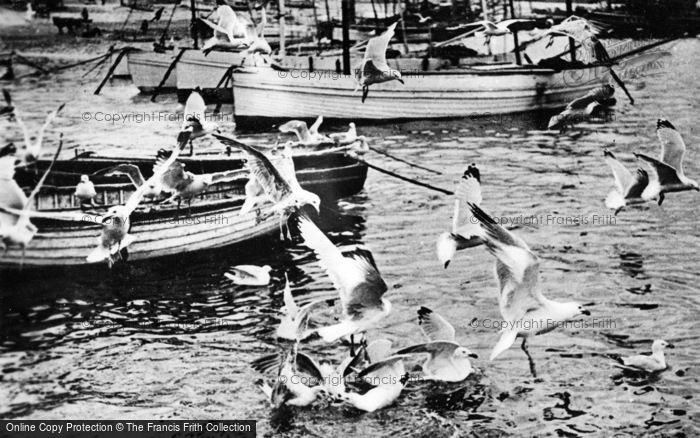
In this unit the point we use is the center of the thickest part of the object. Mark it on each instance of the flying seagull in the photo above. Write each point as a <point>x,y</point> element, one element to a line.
<point>359,284</point>
<point>279,182</point>
<point>448,361</point>
<point>374,68</point>
<point>195,118</point>
<point>466,232</point>
<point>668,169</point>
<point>294,321</point>
<point>32,149</point>
<point>522,305</point>
<point>628,187</point>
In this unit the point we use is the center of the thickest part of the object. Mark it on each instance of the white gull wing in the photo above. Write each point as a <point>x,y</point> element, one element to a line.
<point>49,119</point>
<point>130,170</point>
<point>224,176</point>
<point>443,349</point>
<point>158,173</point>
<point>672,144</point>
<point>23,127</point>
<point>298,127</point>
<point>640,181</point>
<point>644,362</point>
<point>468,191</point>
<point>434,326</point>
<point>289,304</point>
<point>358,282</point>
<point>386,372</point>
<point>269,177</point>
<point>623,177</point>
<point>194,113</point>
<point>313,130</point>
<point>517,268</point>
<point>376,49</point>
<point>28,204</point>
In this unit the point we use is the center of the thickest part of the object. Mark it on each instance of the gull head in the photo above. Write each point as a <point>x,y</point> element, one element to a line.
<point>659,345</point>
<point>84,178</point>
<point>308,198</point>
<point>446,248</point>
<point>464,353</point>
<point>115,216</point>
<point>573,309</point>
<point>395,74</point>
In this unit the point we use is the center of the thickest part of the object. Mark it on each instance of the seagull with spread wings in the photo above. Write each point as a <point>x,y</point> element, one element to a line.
<point>195,118</point>
<point>374,68</point>
<point>153,188</point>
<point>466,232</point>
<point>114,237</point>
<point>293,324</point>
<point>584,107</point>
<point>448,361</point>
<point>668,169</point>
<point>19,231</point>
<point>359,284</point>
<point>629,188</point>
<point>345,138</point>
<point>279,182</point>
<point>298,375</point>
<point>255,39</point>
<point>522,304</point>
<point>306,136</point>
<point>651,364</point>
<point>32,149</point>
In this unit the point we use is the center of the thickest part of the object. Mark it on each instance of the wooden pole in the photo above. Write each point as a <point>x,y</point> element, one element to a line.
<point>572,43</point>
<point>345,4</point>
<point>282,15</point>
<point>193,23</point>
<point>484,15</point>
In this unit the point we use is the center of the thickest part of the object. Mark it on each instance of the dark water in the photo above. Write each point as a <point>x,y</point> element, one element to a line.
<point>173,339</point>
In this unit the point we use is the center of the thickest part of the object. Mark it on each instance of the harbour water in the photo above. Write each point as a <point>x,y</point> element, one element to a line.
<point>174,339</point>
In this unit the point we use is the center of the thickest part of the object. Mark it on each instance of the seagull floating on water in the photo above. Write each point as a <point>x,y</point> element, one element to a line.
<point>668,170</point>
<point>522,305</point>
<point>448,361</point>
<point>357,280</point>
<point>374,68</point>
<point>249,275</point>
<point>628,188</point>
<point>466,232</point>
<point>650,364</point>
<point>388,377</point>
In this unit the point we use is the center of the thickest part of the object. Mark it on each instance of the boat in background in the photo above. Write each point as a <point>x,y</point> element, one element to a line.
<point>213,221</point>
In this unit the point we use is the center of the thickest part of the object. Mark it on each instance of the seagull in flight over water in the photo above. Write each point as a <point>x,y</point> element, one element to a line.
<point>668,169</point>
<point>357,280</point>
<point>448,361</point>
<point>195,118</point>
<point>522,305</point>
<point>629,188</point>
<point>374,68</point>
<point>466,232</point>
<point>32,149</point>
<point>279,182</point>
<point>294,321</point>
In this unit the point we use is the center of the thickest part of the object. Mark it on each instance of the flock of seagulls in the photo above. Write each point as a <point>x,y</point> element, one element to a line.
<point>240,33</point>
<point>373,376</point>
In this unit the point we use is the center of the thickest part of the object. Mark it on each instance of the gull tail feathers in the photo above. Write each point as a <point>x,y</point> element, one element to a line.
<point>507,339</point>
<point>334,332</point>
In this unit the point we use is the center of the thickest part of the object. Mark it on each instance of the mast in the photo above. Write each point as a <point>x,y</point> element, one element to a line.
<point>572,43</point>
<point>193,7</point>
<point>282,16</point>
<point>346,36</point>
<point>484,15</point>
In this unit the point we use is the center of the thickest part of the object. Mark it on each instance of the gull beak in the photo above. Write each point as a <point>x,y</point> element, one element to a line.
<point>586,312</point>
<point>474,355</point>
<point>400,80</point>
<point>447,263</point>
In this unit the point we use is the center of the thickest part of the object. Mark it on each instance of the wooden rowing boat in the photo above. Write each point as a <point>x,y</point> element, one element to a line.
<point>160,230</point>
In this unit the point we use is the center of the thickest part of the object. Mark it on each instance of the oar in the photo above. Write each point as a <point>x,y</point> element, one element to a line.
<point>621,84</point>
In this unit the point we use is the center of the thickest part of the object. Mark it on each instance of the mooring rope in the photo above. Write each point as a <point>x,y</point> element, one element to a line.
<point>393,157</point>
<point>405,178</point>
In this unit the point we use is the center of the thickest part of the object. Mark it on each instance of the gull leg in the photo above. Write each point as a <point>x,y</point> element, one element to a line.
<point>191,148</point>
<point>661,198</point>
<point>365,91</point>
<point>352,345</point>
<point>177,211</point>
<point>529,358</point>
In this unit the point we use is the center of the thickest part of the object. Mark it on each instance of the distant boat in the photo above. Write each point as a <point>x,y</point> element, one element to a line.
<point>214,220</point>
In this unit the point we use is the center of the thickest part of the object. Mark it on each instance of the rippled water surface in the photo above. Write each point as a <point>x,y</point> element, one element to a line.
<point>173,340</point>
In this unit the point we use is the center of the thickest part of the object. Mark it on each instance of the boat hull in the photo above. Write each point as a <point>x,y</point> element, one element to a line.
<point>267,93</point>
<point>212,221</point>
<point>147,69</point>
